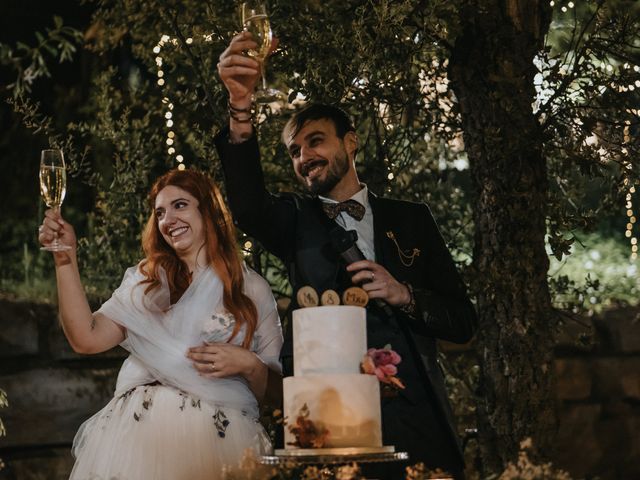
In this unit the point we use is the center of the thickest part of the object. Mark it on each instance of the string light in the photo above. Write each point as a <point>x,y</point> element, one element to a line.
<point>168,115</point>
<point>631,217</point>
<point>629,196</point>
<point>564,9</point>
<point>171,139</point>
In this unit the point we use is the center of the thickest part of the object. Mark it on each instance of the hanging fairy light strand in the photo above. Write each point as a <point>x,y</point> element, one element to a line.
<point>628,183</point>
<point>631,220</point>
<point>171,139</point>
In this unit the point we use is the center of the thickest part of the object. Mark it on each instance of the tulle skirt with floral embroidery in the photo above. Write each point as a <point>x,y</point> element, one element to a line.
<point>156,432</point>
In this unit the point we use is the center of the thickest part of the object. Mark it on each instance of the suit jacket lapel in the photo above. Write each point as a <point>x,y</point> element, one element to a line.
<point>379,229</point>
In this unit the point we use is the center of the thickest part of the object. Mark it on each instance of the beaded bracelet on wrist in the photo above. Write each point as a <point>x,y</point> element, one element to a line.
<point>240,115</point>
<point>409,308</point>
<point>239,119</point>
<point>232,107</point>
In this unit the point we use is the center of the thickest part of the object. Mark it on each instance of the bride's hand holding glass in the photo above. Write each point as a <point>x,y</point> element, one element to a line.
<point>53,188</point>
<point>55,227</point>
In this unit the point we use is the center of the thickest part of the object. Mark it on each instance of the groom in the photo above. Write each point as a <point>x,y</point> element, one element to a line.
<point>416,295</point>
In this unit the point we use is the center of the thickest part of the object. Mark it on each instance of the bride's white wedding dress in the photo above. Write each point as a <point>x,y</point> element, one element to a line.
<point>165,421</point>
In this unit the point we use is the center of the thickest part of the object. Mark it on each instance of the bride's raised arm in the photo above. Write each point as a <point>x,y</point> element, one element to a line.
<point>86,332</point>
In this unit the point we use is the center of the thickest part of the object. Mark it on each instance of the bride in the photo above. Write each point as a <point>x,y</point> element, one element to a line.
<point>203,335</point>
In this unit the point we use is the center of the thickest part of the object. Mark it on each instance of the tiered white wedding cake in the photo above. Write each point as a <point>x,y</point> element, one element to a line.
<point>329,344</point>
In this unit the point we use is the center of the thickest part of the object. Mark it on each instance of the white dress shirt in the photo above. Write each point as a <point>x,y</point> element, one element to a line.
<point>364,227</point>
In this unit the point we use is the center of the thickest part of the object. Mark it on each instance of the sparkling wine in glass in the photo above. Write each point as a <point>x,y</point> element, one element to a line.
<point>53,187</point>
<point>256,21</point>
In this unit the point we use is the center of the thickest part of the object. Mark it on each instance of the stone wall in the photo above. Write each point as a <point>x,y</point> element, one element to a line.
<point>52,390</point>
<point>599,395</point>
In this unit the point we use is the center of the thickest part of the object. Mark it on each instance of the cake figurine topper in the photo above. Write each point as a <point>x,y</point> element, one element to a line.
<point>330,297</point>
<point>307,297</point>
<point>355,296</point>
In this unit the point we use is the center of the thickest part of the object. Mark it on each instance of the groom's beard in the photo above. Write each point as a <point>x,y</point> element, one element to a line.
<point>336,170</point>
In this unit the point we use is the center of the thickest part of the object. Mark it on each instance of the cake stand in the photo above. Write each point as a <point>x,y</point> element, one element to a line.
<point>332,458</point>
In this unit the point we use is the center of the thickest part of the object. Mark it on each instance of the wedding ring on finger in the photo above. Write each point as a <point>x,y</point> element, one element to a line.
<point>373,276</point>
<point>212,366</point>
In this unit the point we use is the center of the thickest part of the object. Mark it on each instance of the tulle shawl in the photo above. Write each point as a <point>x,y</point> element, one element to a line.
<point>158,336</point>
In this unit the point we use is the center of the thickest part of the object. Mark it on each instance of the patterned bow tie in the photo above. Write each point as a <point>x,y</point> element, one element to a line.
<point>351,207</point>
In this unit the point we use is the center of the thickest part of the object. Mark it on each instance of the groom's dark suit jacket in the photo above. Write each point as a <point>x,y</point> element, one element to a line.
<point>293,227</point>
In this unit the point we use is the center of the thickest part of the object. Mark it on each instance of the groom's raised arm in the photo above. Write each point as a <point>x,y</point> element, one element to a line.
<point>268,218</point>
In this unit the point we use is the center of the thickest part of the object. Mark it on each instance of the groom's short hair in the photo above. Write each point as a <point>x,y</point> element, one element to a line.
<point>318,111</point>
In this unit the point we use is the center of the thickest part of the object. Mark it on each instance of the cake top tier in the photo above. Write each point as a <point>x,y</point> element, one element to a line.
<point>331,339</point>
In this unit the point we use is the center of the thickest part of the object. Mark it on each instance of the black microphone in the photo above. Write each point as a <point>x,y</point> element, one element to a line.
<point>344,242</point>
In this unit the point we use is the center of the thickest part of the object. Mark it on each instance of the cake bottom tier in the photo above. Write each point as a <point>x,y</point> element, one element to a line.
<point>347,406</point>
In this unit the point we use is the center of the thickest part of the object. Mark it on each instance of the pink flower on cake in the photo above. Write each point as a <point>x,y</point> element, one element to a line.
<point>382,362</point>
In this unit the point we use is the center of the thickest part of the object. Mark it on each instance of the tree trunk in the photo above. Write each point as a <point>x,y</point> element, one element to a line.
<point>492,73</point>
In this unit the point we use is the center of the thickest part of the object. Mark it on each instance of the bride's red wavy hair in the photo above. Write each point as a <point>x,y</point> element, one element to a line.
<point>220,245</point>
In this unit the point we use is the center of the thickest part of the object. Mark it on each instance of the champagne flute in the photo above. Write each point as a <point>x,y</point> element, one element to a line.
<point>256,21</point>
<point>53,187</point>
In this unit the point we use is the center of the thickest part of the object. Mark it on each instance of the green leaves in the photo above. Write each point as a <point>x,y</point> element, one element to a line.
<point>559,245</point>
<point>30,63</point>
